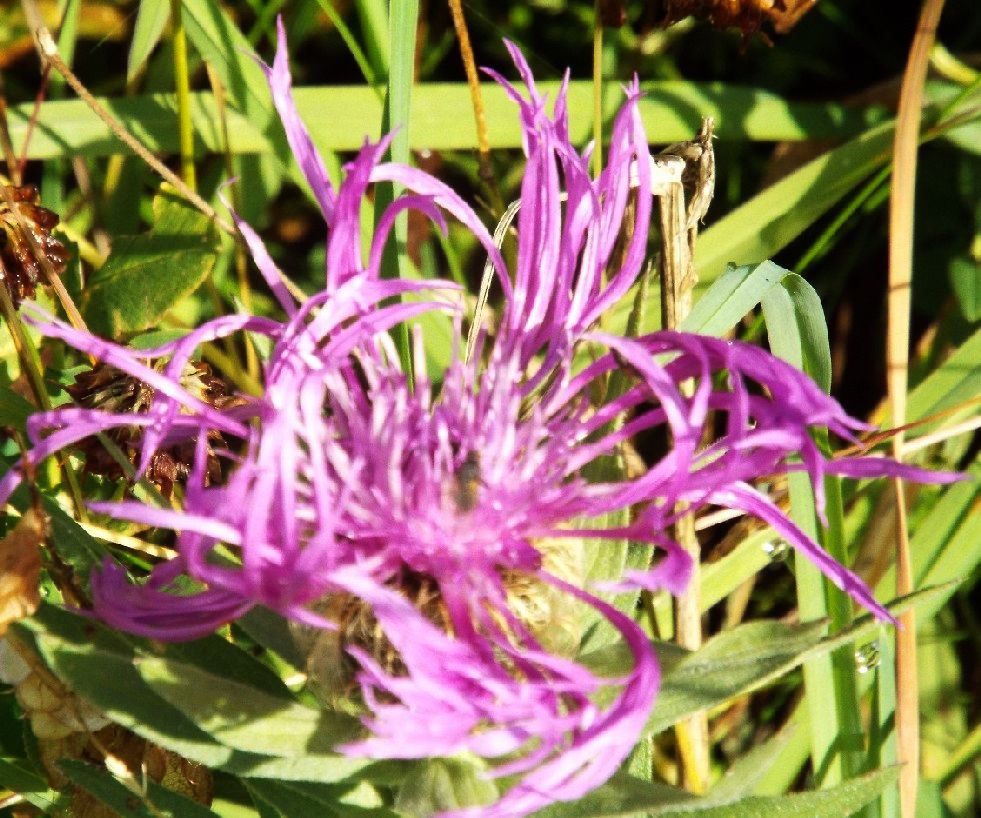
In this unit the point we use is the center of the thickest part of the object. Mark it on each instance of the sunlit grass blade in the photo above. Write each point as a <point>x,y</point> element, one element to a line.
<point>402,24</point>
<point>337,115</point>
<point>151,18</point>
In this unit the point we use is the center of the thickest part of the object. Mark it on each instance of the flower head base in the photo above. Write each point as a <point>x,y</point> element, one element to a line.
<point>455,515</point>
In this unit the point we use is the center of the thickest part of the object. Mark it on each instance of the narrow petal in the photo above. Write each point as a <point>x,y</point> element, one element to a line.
<point>748,499</point>
<point>307,157</point>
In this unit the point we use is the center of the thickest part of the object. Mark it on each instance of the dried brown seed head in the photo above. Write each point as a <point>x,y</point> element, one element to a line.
<point>111,390</point>
<point>26,243</point>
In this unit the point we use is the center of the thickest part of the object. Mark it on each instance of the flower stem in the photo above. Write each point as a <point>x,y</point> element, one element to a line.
<point>402,26</point>
<point>241,260</point>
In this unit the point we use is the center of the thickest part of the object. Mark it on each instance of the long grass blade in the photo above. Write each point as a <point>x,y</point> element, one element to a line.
<point>403,24</point>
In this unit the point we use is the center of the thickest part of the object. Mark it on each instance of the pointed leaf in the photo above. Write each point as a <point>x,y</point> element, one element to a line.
<point>151,19</point>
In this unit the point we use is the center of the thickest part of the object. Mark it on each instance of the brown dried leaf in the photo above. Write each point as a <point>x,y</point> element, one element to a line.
<point>20,569</point>
<point>612,13</point>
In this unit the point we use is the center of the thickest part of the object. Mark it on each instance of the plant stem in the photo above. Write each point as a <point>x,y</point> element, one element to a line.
<point>182,83</point>
<point>49,54</point>
<point>901,204</point>
<point>480,118</point>
<point>31,366</point>
<point>677,281</point>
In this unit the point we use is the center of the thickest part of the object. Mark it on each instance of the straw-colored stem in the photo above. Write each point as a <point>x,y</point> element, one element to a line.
<point>9,155</point>
<point>897,358</point>
<point>480,117</point>
<point>676,300</point>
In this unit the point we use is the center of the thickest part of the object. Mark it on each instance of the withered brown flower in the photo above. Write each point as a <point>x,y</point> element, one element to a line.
<point>26,243</point>
<point>749,16</point>
<point>107,388</point>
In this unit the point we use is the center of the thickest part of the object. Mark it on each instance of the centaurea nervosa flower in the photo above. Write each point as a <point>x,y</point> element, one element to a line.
<point>356,491</point>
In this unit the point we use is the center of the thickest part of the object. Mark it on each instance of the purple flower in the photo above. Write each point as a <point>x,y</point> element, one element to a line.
<point>451,515</point>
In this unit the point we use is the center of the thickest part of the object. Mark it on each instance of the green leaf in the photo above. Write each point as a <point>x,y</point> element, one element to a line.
<point>623,796</point>
<point>151,273</point>
<point>965,276</point>
<point>98,664</point>
<point>236,664</point>
<point>750,769</point>
<point>14,410</point>
<point>438,785</point>
<point>108,790</point>
<point>373,16</point>
<point>242,717</point>
<point>946,545</point>
<point>954,382</point>
<point>722,577</point>
<point>101,665</point>
<point>292,800</point>
<point>272,631</point>
<point>20,776</point>
<point>74,544</point>
<point>773,218</point>
<point>340,117</point>
<point>750,656</point>
<point>631,798</point>
<point>114,794</point>
<point>228,52</point>
<point>845,799</point>
<point>174,803</point>
<point>151,19</point>
<point>733,662</point>
<point>796,328</point>
<point>728,300</point>
<point>367,69</point>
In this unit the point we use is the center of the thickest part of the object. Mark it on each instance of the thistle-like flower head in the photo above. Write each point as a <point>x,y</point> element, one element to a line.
<point>452,512</point>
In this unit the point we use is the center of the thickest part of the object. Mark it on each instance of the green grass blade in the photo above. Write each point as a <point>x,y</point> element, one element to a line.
<point>770,220</point>
<point>367,70</point>
<point>402,39</point>
<point>337,115</point>
<point>797,333</point>
<point>151,18</point>
<point>375,28</point>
